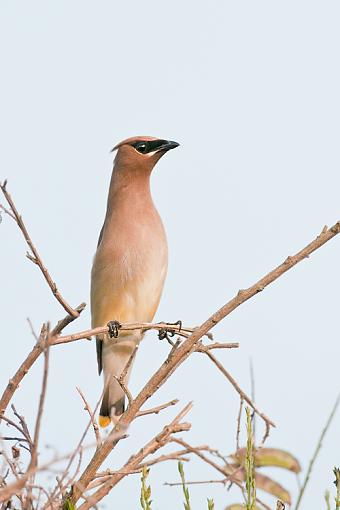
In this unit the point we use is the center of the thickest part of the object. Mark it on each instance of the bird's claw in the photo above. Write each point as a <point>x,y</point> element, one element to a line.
<point>168,333</point>
<point>114,327</point>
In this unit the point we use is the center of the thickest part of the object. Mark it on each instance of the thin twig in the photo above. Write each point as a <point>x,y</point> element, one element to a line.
<point>217,345</point>
<point>225,470</point>
<point>43,336</point>
<point>32,467</point>
<point>156,410</point>
<point>77,470</point>
<point>163,458</point>
<point>26,438</point>
<point>252,394</point>
<point>11,465</point>
<point>265,435</point>
<point>34,450</point>
<point>316,452</point>
<point>7,211</point>
<point>224,481</point>
<point>30,360</point>
<point>125,389</point>
<point>32,329</point>
<point>74,453</point>
<point>128,364</point>
<point>151,447</point>
<point>23,424</point>
<point>92,417</point>
<point>18,439</point>
<point>238,429</point>
<point>36,257</point>
<point>242,394</point>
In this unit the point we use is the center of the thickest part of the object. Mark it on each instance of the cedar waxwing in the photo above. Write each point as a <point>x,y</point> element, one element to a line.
<point>130,264</point>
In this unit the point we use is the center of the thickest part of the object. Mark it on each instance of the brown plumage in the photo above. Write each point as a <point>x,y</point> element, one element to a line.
<point>130,264</point>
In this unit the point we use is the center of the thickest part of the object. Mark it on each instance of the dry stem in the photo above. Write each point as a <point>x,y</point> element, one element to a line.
<point>134,462</point>
<point>242,394</point>
<point>156,410</point>
<point>36,257</point>
<point>92,417</point>
<point>30,360</point>
<point>143,326</point>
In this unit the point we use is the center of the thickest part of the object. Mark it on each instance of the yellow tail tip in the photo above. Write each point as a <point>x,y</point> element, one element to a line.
<point>104,421</point>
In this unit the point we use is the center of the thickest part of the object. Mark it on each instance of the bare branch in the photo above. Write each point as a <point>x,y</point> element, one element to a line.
<point>143,326</point>
<point>156,410</point>
<point>34,450</point>
<point>43,335</point>
<point>151,447</point>
<point>7,211</point>
<point>217,345</point>
<point>238,429</point>
<point>242,394</point>
<point>26,437</point>
<point>180,354</point>
<point>162,458</point>
<point>265,435</point>
<point>228,471</point>
<point>36,257</point>
<point>224,481</point>
<point>73,455</point>
<point>128,364</point>
<point>92,418</point>
<point>125,389</point>
<point>20,482</point>
<point>30,360</point>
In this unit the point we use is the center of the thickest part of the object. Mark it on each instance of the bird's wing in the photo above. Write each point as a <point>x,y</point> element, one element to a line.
<point>100,235</point>
<point>99,342</point>
<point>99,347</point>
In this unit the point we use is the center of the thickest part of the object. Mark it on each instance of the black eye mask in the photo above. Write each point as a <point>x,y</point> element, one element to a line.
<point>144,147</point>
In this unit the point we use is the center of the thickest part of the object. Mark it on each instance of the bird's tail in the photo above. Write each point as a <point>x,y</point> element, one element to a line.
<point>115,357</point>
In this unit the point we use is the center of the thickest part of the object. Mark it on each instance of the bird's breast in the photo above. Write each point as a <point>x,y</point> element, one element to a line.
<point>128,272</point>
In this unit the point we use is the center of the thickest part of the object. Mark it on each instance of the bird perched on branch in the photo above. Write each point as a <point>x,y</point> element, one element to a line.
<point>130,264</point>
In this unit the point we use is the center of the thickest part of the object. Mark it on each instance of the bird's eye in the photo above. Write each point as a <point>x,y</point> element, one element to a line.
<point>141,147</point>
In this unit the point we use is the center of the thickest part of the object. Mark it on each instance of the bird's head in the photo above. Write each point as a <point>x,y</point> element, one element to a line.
<point>142,152</point>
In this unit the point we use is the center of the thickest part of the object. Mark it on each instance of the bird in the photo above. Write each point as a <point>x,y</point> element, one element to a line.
<point>129,266</point>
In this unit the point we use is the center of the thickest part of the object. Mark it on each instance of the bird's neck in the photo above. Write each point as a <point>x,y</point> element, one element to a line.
<point>132,187</point>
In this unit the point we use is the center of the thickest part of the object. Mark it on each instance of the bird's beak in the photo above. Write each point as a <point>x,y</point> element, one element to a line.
<point>167,145</point>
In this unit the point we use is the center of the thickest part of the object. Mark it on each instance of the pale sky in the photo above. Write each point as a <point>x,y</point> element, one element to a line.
<point>251,92</point>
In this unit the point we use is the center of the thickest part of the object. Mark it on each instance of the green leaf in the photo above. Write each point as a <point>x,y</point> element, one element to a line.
<point>269,457</point>
<point>145,492</point>
<point>211,504</point>
<point>185,489</point>
<point>68,505</point>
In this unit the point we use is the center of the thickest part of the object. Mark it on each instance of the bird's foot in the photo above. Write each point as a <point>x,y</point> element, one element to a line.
<point>114,327</point>
<point>168,333</point>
